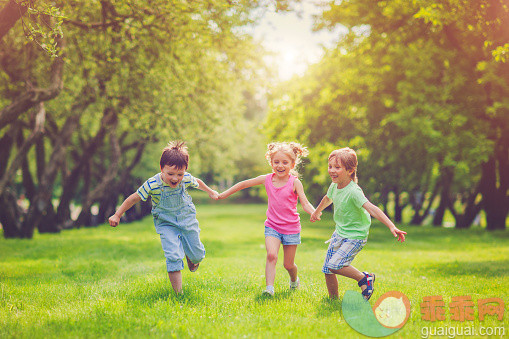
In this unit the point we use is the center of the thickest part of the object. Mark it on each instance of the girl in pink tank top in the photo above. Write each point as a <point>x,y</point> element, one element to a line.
<point>282,226</point>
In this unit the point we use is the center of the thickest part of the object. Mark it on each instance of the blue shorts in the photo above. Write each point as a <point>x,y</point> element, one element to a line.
<point>341,252</point>
<point>178,242</point>
<point>286,239</point>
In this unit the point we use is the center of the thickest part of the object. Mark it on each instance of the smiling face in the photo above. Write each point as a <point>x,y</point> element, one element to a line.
<point>172,175</point>
<point>338,173</point>
<point>281,164</point>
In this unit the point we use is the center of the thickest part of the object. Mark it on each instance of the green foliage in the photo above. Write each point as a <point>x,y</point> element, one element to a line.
<point>111,282</point>
<point>149,71</point>
<point>43,25</point>
<point>413,86</point>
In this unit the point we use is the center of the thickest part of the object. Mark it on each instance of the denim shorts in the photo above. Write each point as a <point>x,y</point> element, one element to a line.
<point>341,252</point>
<point>286,239</point>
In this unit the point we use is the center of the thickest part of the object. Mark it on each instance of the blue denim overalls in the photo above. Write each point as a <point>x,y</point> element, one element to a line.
<point>176,223</point>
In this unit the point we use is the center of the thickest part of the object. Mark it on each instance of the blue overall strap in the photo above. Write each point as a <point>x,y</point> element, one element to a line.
<point>159,181</point>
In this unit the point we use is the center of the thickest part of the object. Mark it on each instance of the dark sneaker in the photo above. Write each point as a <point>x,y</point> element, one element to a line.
<point>369,281</point>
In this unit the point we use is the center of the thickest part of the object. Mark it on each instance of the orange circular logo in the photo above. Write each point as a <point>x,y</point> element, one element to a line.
<point>392,309</point>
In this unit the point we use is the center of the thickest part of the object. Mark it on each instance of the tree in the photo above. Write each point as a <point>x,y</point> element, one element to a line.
<point>398,88</point>
<point>136,74</point>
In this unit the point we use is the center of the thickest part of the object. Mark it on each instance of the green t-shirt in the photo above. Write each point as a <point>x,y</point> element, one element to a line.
<point>352,220</point>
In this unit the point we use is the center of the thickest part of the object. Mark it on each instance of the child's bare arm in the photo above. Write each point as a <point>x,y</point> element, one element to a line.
<point>241,185</point>
<point>326,201</point>
<point>203,187</point>
<point>302,197</point>
<point>132,200</point>
<point>380,215</point>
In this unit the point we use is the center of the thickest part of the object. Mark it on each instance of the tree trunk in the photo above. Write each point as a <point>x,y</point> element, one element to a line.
<point>9,15</point>
<point>23,148</point>
<point>34,96</point>
<point>10,215</point>
<point>7,141</point>
<point>495,199</point>
<point>48,223</point>
<point>69,187</point>
<point>384,199</point>
<point>398,208</point>
<point>438,218</point>
<point>495,179</point>
<point>466,219</point>
<point>70,183</point>
<point>107,180</point>
<point>42,200</point>
<point>470,211</point>
<point>107,206</point>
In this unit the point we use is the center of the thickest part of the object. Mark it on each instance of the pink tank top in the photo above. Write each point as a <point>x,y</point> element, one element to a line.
<point>282,213</point>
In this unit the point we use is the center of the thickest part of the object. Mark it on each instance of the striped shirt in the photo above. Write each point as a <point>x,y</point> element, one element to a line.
<point>151,187</point>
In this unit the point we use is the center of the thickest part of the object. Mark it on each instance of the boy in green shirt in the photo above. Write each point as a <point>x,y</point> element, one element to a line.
<point>352,211</point>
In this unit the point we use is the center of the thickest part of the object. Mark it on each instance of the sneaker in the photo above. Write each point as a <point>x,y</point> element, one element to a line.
<point>294,284</point>
<point>268,291</point>
<point>369,281</point>
<point>192,267</point>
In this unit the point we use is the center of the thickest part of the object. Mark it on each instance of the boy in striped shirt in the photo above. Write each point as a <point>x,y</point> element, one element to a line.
<point>173,211</point>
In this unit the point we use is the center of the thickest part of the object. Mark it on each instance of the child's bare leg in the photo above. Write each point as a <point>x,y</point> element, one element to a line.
<point>289,260</point>
<point>272,246</point>
<point>332,285</point>
<point>351,272</point>
<point>176,281</point>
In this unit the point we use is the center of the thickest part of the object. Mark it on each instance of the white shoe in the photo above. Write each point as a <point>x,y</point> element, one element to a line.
<point>294,284</point>
<point>268,292</point>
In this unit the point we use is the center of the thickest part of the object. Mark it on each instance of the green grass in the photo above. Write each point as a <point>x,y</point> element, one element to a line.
<point>111,282</point>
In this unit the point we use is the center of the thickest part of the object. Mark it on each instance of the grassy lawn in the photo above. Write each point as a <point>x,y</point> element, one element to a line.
<point>111,282</point>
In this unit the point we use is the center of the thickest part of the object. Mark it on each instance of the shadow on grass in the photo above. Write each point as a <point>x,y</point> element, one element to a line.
<point>162,293</point>
<point>468,268</point>
<point>265,298</point>
<point>328,307</point>
<point>189,296</point>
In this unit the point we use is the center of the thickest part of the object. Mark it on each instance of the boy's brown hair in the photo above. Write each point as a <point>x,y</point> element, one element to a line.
<point>175,154</point>
<point>348,158</point>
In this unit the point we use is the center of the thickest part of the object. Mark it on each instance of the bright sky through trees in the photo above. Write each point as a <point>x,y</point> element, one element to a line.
<point>291,38</point>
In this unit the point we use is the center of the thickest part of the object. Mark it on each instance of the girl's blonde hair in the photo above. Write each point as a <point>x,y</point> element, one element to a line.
<point>294,150</point>
<point>348,159</point>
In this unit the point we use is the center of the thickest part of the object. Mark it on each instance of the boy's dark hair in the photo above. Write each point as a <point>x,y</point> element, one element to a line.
<point>175,154</point>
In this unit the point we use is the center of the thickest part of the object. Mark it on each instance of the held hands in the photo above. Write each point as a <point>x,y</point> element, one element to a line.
<point>315,216</point>
<point>214,195</point>
<point>114,220</point>
<point>398,233</point>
